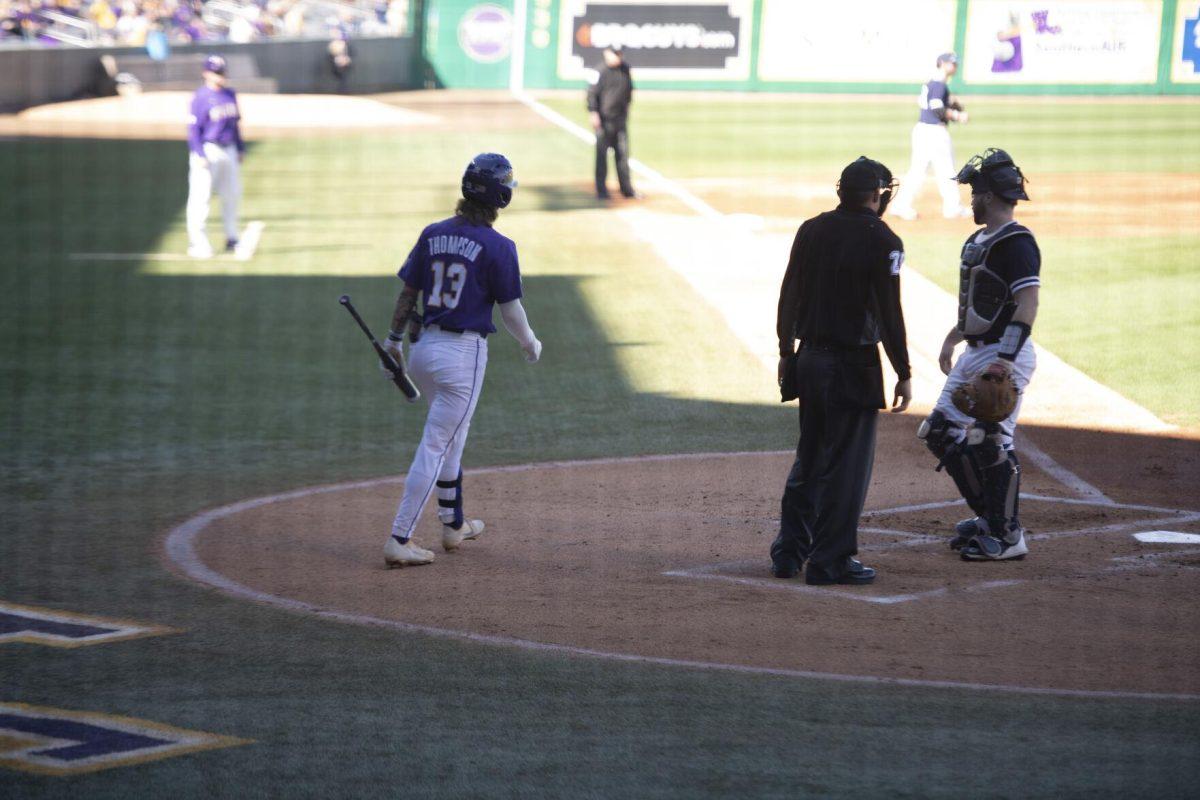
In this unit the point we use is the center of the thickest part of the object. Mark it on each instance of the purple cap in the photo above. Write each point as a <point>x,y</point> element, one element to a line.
<point>215,63</point>
<point>944,57</point>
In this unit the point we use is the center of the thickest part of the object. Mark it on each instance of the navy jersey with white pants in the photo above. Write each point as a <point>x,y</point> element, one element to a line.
<point>462,271</point>
<point>931,149</point>
<point>980,456</point>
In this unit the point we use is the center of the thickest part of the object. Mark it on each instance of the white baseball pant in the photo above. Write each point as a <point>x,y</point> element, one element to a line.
<point>969,364</point>
<point>222,173</point>
<point>448,369</point>
<point>930,148</point>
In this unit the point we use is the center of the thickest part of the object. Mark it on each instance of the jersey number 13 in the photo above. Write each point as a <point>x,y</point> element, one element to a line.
<point>447,284</point>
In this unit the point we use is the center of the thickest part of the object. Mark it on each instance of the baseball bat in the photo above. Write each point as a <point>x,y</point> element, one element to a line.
<point>399,376</point>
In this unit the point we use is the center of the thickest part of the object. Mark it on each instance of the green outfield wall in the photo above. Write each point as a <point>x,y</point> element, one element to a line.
<point>1077,47</point>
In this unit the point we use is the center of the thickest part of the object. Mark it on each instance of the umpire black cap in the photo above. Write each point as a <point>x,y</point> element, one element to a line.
<point>865,175</point>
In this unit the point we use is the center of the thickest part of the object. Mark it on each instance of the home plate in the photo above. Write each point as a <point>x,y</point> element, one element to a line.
<point>1167,537</point>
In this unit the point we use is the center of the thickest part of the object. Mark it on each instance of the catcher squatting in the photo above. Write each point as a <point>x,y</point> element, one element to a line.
<point>461,267</point>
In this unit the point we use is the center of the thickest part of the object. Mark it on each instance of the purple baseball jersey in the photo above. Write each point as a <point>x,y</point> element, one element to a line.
<point>462,271</point>
<point>215,118</point>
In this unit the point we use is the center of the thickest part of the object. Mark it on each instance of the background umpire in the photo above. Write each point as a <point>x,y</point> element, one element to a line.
<point>840,296</point>
<point>608,101</point>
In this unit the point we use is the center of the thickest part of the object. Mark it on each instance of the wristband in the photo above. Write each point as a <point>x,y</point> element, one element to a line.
<point>1013,340</point>
<point>395,337</point>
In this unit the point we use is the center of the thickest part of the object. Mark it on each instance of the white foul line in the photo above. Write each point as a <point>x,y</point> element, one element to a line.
<point>180,549</point>
<point>1060,473</point>
<point>671,187</point>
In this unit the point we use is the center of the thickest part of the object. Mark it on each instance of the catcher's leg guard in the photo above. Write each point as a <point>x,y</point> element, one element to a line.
<point>1000,473</point>
<point>948,442</point>
<point>450,502</point>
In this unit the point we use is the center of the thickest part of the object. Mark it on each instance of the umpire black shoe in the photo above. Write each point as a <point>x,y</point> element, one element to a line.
<point>785,569</point>
<point>853,574</point>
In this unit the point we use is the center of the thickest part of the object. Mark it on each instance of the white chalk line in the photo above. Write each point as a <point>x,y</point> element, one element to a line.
<point>1038,456</point>
<point>713,572</point>
<point>180,549</point>
<point>247,245</point>
<point>1060,473</point>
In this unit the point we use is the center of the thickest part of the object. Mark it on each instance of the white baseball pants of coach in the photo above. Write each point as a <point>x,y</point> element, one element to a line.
<point>223,174</point>
<point>930,148</point>
<point>448,369</point>
<point>970,363</point>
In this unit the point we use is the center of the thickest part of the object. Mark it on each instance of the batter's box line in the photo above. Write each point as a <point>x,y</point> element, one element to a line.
<point>712,573</point>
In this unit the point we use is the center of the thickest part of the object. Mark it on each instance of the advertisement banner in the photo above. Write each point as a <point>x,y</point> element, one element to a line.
<point>1185,56</point>
<point>661,40</point>
<point>468,43</point>
<point>1065,42</point>
<point>873,41</point>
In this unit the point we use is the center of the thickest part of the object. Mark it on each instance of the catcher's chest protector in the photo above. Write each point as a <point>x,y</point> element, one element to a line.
<point>982,293</point>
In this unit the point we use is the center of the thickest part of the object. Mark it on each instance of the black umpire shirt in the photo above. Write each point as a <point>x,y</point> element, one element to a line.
<point>612,93</point>
<point>841,290</point>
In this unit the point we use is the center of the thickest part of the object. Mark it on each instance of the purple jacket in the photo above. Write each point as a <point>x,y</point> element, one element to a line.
<point>215,118</point>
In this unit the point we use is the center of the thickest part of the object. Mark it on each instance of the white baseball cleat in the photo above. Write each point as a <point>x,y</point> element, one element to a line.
<point>403,554</point>
<point>452,538</point>
<point>199,252</point>
<point>985,547</point>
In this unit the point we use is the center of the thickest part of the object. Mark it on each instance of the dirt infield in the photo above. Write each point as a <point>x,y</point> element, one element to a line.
<point>666,559</point>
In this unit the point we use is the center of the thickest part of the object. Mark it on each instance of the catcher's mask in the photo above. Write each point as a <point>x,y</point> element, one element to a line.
<point>866,175</point>
<point>994,171</point>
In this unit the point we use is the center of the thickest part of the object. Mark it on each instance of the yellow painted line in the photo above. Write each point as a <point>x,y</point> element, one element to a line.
<point>182,742</point>
<point>126,629</point>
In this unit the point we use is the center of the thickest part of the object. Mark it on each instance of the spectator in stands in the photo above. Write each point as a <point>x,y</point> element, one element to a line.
<point>340,59</point>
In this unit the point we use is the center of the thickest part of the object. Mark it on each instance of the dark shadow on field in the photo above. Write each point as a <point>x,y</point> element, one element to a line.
<point>562,197</point>
<point>90,195</point>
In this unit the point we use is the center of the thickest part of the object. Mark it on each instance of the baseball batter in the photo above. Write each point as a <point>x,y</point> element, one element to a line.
<point>460,267</point>
<point>997,303</point>
<point>216,151</point>
<point>931,146</point>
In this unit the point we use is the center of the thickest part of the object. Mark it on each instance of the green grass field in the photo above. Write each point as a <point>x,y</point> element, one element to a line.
<point>1120,308</point>
<point>136,394</point>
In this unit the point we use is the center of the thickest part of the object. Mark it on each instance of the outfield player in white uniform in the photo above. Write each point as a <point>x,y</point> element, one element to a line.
<point>215,155</point>
<point>931,146</point>
<point>460,267</point>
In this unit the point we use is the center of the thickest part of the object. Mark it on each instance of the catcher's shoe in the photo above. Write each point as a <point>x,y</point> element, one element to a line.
<point>402,554</point>
<point>453,537</point>
<point>965,530</point>
<point>985,547</point>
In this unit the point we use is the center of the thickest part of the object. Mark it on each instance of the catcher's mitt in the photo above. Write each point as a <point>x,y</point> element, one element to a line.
<point>988,397</point>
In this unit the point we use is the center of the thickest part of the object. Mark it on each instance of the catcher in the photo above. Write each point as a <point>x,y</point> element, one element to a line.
<point>972,425</point>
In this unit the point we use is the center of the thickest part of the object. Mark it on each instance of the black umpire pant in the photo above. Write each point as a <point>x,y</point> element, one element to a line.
<point>613,135</point>
<point>840,394</point>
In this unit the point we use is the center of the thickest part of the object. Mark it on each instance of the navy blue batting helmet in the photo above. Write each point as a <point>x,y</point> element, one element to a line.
<point>489,180</point>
